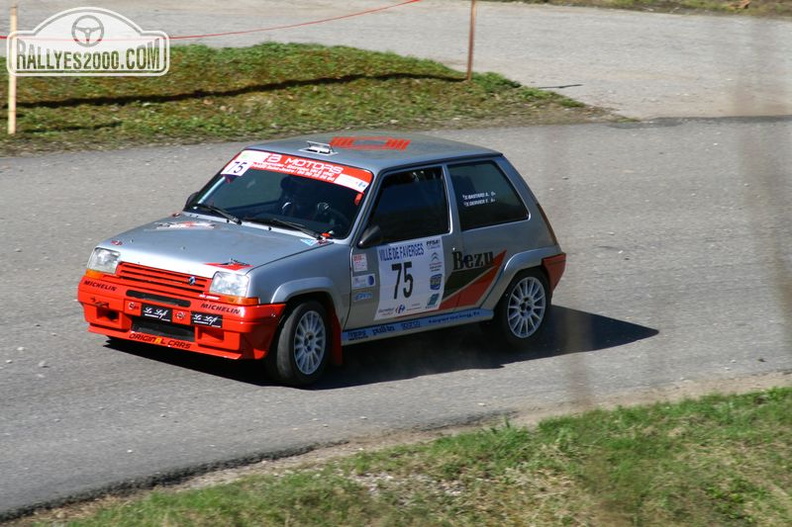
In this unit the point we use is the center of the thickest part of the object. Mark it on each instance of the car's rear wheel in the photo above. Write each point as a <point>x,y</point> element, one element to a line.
<point>522,310</point>
<point>302,346</point>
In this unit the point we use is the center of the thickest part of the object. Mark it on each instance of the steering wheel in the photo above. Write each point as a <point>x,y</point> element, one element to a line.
<point>324,212</point>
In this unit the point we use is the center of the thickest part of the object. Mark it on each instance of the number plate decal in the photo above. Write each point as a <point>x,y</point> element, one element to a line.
<point>207,319</point>
<point>165,314</point>
<point>412,275</point>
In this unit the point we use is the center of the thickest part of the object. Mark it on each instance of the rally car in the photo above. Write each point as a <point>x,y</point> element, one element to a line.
<point>298,247</point>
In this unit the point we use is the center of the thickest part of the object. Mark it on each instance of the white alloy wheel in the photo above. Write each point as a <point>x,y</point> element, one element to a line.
<point>302,346</point>
<point>526,306</point>
<point>310,343</point>
<point>522,311</point>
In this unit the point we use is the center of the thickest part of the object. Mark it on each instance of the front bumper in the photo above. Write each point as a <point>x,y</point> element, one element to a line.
<point>154,315</point>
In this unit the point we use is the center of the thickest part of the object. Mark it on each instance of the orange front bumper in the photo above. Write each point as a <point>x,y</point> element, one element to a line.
<point>203,325</point>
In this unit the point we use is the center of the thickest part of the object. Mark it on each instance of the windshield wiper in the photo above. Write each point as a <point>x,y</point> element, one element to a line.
<point>217,210</point>
<point>277,222</point>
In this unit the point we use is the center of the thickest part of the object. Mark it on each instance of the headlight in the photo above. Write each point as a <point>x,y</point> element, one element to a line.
<point>104,260</point>
<point>229,284</point>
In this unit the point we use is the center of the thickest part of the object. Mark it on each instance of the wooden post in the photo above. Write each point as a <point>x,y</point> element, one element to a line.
<point>12,80</point>
<point>471,39</point>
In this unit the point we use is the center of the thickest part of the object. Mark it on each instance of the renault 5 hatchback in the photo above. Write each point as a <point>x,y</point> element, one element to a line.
<point>298,247</point>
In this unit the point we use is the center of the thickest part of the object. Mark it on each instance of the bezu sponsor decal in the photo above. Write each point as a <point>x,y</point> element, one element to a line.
<point>472,261</point>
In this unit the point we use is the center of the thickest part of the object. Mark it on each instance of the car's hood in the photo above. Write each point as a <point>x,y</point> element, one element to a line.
<point>201,247</point>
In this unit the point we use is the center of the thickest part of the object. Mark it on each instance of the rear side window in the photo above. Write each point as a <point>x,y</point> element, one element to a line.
<point>411,204</point>
<point>484,195</point>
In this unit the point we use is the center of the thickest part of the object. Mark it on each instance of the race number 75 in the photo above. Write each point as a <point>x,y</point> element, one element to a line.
<point>402,271</point>
<point>235,168</point>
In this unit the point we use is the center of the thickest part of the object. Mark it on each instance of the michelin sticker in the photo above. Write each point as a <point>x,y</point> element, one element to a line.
<point>411,277</point>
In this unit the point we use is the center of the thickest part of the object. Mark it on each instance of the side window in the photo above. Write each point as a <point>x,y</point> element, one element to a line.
<point>484,195</point>
<point>411,204</point>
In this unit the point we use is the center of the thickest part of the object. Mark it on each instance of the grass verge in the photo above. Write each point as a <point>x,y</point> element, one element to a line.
<point>266,91</point>
<point>765,8</point>
<point>719,460</point>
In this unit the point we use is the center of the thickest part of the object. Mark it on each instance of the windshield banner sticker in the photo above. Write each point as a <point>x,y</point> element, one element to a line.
<point>350,177</point>
<point>411,277</point>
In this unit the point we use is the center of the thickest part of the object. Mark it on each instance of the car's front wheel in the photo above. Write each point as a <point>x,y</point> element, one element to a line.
<point>302,346</point>
<point>522,310</point>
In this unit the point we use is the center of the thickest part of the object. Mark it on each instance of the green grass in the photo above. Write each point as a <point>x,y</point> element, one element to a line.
<point>716,461</point>
<point>274,90</point>
<point>266,91</point>
<point>767,8</point>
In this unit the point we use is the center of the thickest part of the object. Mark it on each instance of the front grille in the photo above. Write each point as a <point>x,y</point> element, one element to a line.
<point>141,295</point>
<point>161,280</point>
<point>163,329</point>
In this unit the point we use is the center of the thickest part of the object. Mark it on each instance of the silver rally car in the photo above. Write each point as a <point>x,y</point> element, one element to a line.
<point>300,246</point>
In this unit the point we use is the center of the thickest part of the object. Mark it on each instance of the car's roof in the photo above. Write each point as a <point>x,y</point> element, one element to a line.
<point>374,150</point>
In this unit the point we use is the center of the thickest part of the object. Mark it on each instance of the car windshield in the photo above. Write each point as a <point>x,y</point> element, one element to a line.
<point>286,191</point>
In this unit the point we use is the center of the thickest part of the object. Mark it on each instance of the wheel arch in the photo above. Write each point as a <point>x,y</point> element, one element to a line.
<point>522,309</point>
<point>517,263</point>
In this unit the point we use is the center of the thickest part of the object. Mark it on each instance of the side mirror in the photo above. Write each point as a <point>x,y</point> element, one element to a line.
<point>190,199</point>
<point>370,237</point>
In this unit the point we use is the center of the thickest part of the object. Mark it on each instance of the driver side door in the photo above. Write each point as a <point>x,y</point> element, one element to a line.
<point>404,255</point>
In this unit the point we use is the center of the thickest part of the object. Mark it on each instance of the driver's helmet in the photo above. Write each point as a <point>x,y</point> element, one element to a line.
<point>300,196</point>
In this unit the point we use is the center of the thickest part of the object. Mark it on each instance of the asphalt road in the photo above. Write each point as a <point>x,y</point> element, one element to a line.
<point>678,234</point>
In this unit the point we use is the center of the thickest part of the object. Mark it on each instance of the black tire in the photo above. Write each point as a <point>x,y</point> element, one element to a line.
<point>302,346</point>
<point>522,311</point>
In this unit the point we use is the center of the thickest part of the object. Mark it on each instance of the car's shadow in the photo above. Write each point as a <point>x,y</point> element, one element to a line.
<point>462,348</point>
<point>467,348</point>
